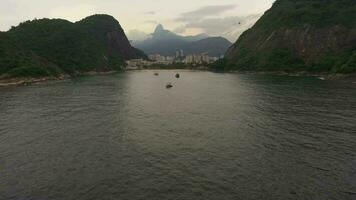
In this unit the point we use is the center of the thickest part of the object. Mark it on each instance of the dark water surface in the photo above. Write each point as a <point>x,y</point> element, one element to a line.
<point>212,136</point>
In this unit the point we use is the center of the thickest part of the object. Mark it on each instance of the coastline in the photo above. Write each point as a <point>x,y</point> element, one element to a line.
<point>323,76</point>
<point>30,81</point>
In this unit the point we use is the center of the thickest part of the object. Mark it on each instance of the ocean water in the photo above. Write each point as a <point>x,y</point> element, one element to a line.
<point>210,137</point>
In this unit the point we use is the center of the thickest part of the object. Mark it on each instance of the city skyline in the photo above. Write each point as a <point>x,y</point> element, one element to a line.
<point>213,17</point>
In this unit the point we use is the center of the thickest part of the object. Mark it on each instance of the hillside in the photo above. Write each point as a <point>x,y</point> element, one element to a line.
<point>214,46</point>
<point>15,61</point>
<point>165,42</point>
<point>162,42</point>
<point>96,43</point>
<point>304,35</point>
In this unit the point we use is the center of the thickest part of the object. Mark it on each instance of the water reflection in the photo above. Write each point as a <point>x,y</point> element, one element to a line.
<point>212,136</point>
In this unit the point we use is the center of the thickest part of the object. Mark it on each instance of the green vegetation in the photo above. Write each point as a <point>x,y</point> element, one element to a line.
<point>303,35</point>
<point>320,13</point>
<point>15,61</point>
<point>96,43</point>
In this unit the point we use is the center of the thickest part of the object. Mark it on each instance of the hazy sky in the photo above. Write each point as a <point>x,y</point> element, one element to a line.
<point>186,17</point>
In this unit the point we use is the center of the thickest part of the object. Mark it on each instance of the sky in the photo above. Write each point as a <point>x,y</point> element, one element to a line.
<point>227,18</point>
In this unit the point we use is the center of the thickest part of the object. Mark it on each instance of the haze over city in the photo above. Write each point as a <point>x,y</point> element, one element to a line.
<point>140,17</point>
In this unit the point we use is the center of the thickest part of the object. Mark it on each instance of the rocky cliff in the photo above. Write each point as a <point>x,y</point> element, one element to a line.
<point>303,35</point>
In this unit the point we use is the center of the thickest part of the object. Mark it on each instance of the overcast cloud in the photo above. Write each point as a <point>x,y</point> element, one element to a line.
<point>207,20</point>
<point>205,12</point>
<point>187,16</point>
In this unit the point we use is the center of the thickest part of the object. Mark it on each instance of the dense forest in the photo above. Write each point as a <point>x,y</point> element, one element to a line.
<point>52,46</point>
<point>16,61</point>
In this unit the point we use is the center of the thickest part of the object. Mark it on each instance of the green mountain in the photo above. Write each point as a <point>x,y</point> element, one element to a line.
<point>16,61</point>
<point>303,35</point>
<point>213,46</point>
<point>165,42</point>
<point>96,43</point>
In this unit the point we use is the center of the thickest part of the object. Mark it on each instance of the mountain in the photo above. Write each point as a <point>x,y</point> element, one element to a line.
<point>96,43</point>
<point>198,37</point>
<point>16,61</point>
<point>160,34</point>
<point>137,35</point>
<point>214,46</point>
<point>303,35</point>
<point>235,26</point>
<point>165,42</point>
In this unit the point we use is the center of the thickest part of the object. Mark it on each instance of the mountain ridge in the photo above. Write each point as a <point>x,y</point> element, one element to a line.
<point>165,42</point>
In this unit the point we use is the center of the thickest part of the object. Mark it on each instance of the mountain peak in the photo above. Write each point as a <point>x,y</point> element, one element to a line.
<point>99,17</point>
<point>159,28</point>
<point>163,34</point>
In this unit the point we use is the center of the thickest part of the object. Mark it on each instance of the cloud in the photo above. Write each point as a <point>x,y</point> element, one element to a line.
<point>229,27</point>
<point>137,35</point>
<point>149,13</point>
<point>215,21</point>
<point>73,12</point>
<point>204,12</point>
<point>150,22</point>
<point>180,29</point>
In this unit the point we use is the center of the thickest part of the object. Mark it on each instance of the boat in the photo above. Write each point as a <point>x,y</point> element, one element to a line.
<point>169,85</point>
<point>177,75</point>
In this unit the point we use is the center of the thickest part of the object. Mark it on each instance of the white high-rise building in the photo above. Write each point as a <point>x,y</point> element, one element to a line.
<point>177,54</point>
<point>181,53</point>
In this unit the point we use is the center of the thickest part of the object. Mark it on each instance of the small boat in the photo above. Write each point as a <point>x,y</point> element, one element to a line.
<point>156,74</point>
<point>322,78</point>
<point>177,75</point>
<point>169,85</point>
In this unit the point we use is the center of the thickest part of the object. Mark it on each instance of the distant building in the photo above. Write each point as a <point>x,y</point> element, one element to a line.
<point>181,53</point>
<point>179,58</point>
<point>135,64</point>
<point>197,59</point>
<point>177,54</point>
<point>159,59</point>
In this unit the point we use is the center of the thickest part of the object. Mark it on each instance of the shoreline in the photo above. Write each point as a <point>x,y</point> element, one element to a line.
<point>30,81</point>
<point>322,76</point>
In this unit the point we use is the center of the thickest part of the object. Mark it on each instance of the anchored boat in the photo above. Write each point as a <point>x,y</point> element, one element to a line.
<point>169,85</point>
